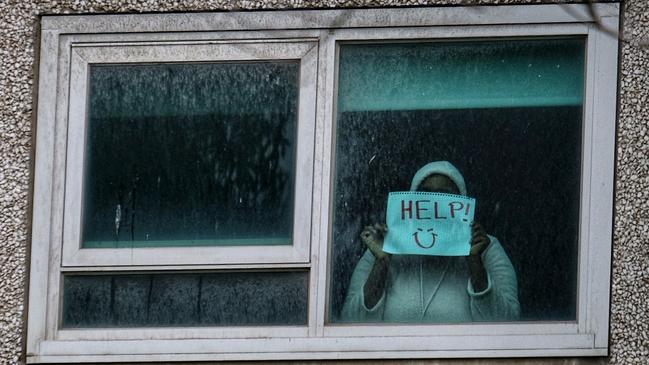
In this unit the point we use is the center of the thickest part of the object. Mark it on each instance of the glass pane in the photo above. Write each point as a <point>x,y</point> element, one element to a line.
<point>190,154</point>
<point>210,299</point>
<point>507,118</point>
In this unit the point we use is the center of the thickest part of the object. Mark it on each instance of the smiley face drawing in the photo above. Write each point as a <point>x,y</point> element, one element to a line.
<point>418,241</point>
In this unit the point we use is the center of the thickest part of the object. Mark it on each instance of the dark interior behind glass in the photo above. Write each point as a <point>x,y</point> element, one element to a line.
<point>520,160</point>
<point>190,154</point>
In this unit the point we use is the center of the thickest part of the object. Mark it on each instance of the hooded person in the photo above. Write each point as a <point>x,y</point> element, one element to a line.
<point>431,289</point>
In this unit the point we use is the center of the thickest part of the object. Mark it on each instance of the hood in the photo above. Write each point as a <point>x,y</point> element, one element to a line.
<point>439,167</point>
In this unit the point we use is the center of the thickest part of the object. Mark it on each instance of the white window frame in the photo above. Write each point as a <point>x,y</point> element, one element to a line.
<point>83,55</point>
<point>62,38</point>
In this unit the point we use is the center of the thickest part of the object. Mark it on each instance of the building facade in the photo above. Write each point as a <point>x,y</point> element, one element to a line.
<point>24,24</point>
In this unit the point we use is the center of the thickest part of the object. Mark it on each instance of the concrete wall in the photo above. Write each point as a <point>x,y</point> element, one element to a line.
<point>18,39</point>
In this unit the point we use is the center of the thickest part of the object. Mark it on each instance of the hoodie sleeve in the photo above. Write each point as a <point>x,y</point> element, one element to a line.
<point>499,301</point>
<point>354,309</point>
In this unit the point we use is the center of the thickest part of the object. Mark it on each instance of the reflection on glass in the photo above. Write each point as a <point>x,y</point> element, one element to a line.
<point>190,154</point>
<point>159,300</point>
<point>507,114</point>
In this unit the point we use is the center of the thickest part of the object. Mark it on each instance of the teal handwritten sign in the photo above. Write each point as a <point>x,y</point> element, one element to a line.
<point>435,224</point>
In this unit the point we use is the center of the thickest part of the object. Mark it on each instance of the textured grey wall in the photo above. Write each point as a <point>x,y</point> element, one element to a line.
<point>18,35</point>
<point>630,287</point>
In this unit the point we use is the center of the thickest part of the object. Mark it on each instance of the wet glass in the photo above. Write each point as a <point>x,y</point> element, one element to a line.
<point>172,300</point>
<point>196,154</point>
<point>508,115</point>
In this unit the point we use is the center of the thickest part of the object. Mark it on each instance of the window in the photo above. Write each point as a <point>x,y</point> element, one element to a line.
<point>508,114</point>
<point>203,181</point>
<point>165,151</point>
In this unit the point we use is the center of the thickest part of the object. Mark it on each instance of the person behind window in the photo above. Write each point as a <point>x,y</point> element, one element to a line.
<point>415,288</point>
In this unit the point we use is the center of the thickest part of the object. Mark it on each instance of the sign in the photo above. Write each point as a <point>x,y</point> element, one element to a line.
<point>436,224</point>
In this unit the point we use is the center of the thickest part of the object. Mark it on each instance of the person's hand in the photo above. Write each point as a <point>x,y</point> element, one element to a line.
<point>479,239</point>
<point>477,271</point>
<point>372,237</point>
